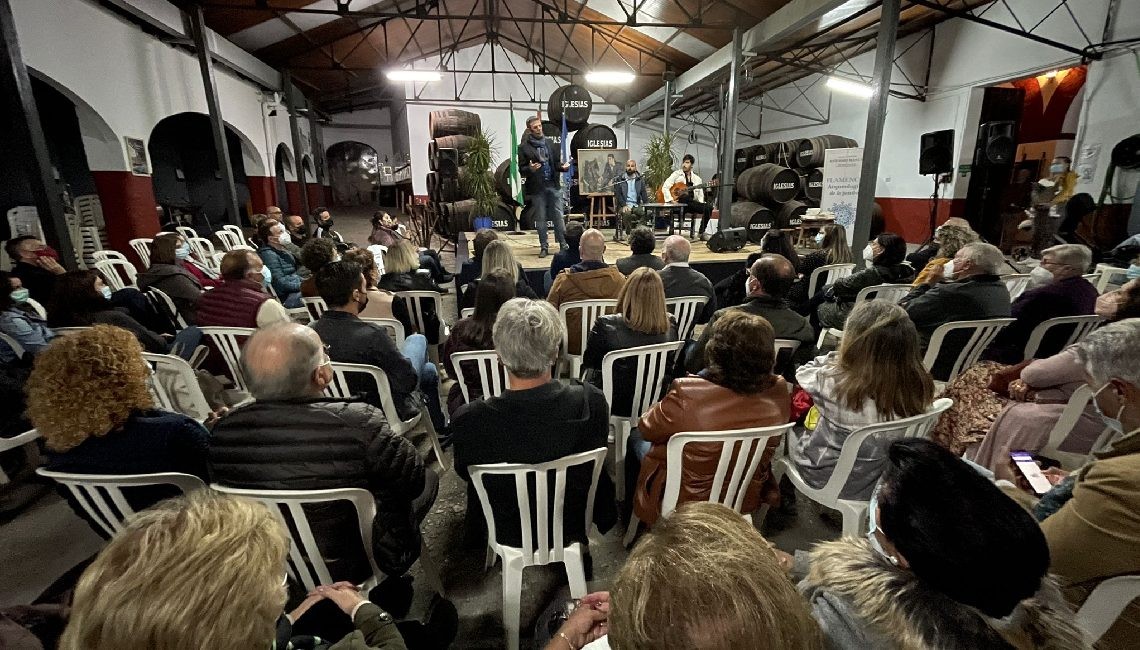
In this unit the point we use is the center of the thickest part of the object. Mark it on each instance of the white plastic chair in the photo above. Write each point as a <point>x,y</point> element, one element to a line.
<point>1015,283</point>
<point>203,251</point>
<point>889,292</point>
<point>16,441</point>
<point>316,306</point>
<point>1072,412</point>
<point>176,386</point>
<point>378,252</point>
<point>588,312</point>
<point>1110,275</point>
<point>237,232</point>
<point>415,301</point>
<point>493,377</point>
<point>1092,278</point>
<point>228,240</point>
<point>467,312</point>
<point>1082,327</point>
<point>101,495</point>
<point>16,348</point>
<point>306,563</point>
<point>61,331</point>
<point>648,379</point>
<point>141,247</point>
<point>787,348</point>
<point>395,329</point>
<point>187,232</point>
<point>340,389</point>
<point>118,274</point>
<point>546,527</point>
<point>161,303</point>
<point>1105,604</point>
<point>109,255</point>
<point>983,332</point>
<point>830,273</point>
<point>685,309</point>
<point>854,511</point>
<point>37,307</point>
<point>228,341</point>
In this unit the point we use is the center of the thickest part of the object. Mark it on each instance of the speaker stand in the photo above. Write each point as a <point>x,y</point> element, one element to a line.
<point>933,210</point>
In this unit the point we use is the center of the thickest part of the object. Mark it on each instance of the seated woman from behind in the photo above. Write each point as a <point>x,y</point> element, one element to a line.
<point>640,319</point>
<point>222,564</point>
<point>400,274</point>
<point>736,390</point>
<point>949,562</point>
<point>876,376</point>
<point>474,333</point>
<point>833,249</point>
<point>497,256</point>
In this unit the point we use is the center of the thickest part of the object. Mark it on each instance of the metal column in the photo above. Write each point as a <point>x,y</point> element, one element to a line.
<point>218,127</point>
<point>627,121</point>
<point>876,116</point>
<point>728,132</point>
<point>28,139</point>
<point>668,101</point>
<point>295,131</point>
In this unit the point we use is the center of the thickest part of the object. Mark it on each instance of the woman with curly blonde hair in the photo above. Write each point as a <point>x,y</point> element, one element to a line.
<point>88,398</point>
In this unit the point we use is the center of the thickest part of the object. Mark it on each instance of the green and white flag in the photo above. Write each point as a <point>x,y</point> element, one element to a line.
<point>515,180</point>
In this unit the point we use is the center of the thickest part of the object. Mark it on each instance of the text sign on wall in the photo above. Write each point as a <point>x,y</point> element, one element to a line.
<point>840,193</point>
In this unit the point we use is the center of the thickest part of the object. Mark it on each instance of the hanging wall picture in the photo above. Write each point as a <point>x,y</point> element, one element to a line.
<point>136,155</point>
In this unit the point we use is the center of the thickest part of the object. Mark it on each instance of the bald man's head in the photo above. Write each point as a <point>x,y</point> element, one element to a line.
<point>676,249</point>
<point>592,245</point>
<point>285,361</point>
<point>773,274</point>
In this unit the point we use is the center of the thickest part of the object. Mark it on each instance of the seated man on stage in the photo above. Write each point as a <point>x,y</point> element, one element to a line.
<point>629,196</point>
<point>692,197</point>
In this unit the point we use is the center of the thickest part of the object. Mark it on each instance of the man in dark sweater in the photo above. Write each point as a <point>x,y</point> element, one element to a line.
<point>538,420</point>
<point>351,340</point>
<point>540,163</point>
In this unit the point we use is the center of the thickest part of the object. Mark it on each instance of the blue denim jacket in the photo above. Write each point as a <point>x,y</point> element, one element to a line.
<point>27,329</point>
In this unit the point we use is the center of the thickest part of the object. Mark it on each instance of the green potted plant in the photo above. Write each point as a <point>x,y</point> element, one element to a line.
<point>659,156</point>
<point>476,179</point>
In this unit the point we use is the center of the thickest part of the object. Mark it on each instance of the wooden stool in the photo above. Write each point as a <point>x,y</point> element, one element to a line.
<point>598,207</point>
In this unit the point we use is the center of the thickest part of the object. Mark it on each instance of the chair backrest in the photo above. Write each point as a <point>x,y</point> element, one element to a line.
<point>1110,275</point>
<point>60,331</point>
<point>589,311</point>
<point>1076,405</point>
<point>141,247</point>
<point>228,240</point>
<point>228,342</point>
<point>1015,283</point>
<point>340,389</point>
<point>1092,278</point>
<point>237,232</point>
<point>547,525</point>
<point>888,292</point>
<point>416,302</point>
<point>107,254</point>
<point>829,273</point>
<point>187,232</point>
<point>653,362</point>
<point>163,305</point>
<point>982,333</point>
<point>395,329</point>
<point>1105,604</point>
<point>740,455</point>
<point>378,252</point>
<point>467,312</point>
<point>175,386</point>
<point>36,307</point>
<point>685,309</point>
<point>785,350</point>
<point>203,250</point>
<point>13,344</point>
<point>1082,327</point>
<point>492,375</point>
<point>101,495</point>
<point>305,560</point>
<point>316,306</point>
<point>117,273</point>
<point>917,426</point>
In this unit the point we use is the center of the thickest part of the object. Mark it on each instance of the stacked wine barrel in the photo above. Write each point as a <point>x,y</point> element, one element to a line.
<point>777,182</point>
<point>447,150</point>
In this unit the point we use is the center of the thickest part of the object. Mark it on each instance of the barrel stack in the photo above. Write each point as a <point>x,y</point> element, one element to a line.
<point>777,182</point>
<point>450,131</point>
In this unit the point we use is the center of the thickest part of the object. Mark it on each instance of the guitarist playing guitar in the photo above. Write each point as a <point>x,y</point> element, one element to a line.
<point>682,186</point>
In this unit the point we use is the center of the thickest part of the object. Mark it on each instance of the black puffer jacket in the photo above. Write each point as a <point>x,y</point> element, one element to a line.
<point>611,333</point>
<point>321,444</point>
<point>416,282</point>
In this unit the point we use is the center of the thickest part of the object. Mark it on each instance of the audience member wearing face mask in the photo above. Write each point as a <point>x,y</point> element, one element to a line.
<point>283,266</point>
<point>833,249</point>
<point>19,321</point>
<point>884,266</point>
<point>168,254</point>
<point>243,300</point>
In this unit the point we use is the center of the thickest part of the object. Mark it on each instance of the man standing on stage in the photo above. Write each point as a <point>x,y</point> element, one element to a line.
<point>694,199</point>
<point>629,196</point>
<point>541,162</point>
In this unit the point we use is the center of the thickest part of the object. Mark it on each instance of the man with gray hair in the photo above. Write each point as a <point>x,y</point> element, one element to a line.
<point>589,279</point>
<point>681,280</point>
<point>1065,293</point>
<point>293,438</point>
<point>1091,517</point>
<point>539,419</point>
<point>967,287</point>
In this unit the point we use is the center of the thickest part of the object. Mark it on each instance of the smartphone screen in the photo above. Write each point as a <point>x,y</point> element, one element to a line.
<point>1031,472</point>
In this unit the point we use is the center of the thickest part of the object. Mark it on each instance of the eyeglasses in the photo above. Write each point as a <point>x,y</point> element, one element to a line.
<point>328,360</point>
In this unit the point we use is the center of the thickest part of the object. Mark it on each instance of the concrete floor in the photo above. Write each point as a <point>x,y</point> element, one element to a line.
<point>46,539</point>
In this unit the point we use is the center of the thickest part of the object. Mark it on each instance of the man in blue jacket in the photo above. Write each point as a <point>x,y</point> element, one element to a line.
<point>540,163</point>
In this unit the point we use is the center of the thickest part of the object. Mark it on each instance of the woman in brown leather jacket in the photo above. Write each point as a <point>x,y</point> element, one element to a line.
<point>736,390</point>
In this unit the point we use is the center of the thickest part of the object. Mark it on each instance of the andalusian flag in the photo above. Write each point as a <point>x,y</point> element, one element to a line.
<point>515,180</point>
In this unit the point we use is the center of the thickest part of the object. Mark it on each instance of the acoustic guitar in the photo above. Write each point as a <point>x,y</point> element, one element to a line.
<point>679,189</point>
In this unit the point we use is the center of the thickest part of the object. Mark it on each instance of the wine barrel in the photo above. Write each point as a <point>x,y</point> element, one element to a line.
<point>790,214</point>
<point>813,184</point>
<point>760,155</point>
<point>753,217</point>
<point>593,136</point>
<point>452,122</point>
<point>504,217</point>
<point>460,214</point>
<point>575,102</point>
<point>448,189</point>
<point>432,181</point>
<point>768,183</point>
<point>742,159</point>
<point>809,152</point>
<point>503,181</point>
<point>554,131</point>
<point>431,155</point>
<point>448,160</point>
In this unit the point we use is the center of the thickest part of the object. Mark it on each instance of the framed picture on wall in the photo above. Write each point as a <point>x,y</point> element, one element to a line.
<point>597,169</point>
<point>136,154</point>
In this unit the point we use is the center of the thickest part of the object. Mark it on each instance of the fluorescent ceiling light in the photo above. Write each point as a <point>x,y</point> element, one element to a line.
<point>413,75</point>
<point>849,87</point>
<point>610,77</point>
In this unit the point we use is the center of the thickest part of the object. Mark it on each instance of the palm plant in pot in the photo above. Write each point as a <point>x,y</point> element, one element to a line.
<point>659,156</point>
<point>476,179</point>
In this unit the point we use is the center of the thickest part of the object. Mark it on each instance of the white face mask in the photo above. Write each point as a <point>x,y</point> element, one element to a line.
<point>873,525</point>
<point>948,270</point>
<point>1112,423</point>
<point>868,253</point>
<point>819,239</point>
<point>1040,275</point>
<point>746,291</point>
<point>284,238</point>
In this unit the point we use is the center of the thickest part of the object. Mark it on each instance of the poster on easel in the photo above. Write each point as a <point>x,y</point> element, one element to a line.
<point>840,193</point>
